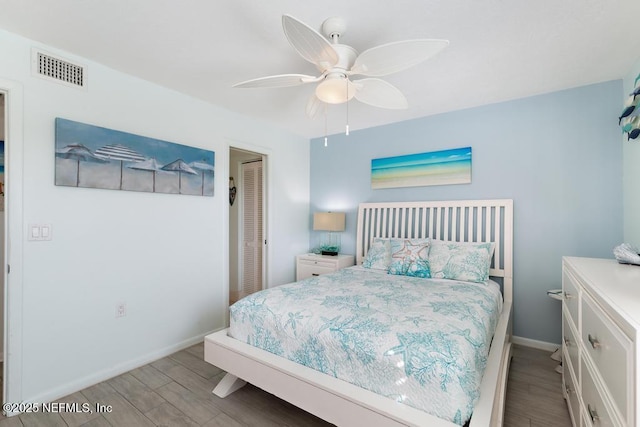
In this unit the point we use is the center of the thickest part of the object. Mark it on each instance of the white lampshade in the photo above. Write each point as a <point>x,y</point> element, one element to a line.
<point>335,89</point>
<point>329,221</point>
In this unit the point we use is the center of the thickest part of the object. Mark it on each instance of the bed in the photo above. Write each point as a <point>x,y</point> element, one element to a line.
<point>357,400</point>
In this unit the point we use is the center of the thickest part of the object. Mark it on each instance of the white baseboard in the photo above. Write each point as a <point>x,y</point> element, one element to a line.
<point>98,377</point>
<point>540,345</point>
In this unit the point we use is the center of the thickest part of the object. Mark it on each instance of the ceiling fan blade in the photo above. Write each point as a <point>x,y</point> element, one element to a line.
<point>314,106</point>
<point>393,57</point>
<point>280,80</point>
<point>310,44</point>
<point>379,93</point>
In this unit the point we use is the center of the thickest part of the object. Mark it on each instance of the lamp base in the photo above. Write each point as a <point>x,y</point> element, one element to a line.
<point>331,253</point>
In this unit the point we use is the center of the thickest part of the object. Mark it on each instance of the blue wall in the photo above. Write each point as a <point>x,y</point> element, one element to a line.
<point>558,156</point>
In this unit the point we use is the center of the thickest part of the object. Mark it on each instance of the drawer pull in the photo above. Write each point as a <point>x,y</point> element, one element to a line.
<point>567,295</point>
<point>592,414</point>
<point>568,390</point>
<point>567,342</point>
<point>314,274</point>
<point>594,341</point>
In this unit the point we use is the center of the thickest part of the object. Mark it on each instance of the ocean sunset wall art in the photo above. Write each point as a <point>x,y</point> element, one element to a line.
<point>416,170</point>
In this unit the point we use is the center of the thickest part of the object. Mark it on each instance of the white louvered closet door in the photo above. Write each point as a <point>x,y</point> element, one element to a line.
<point>252,227</point>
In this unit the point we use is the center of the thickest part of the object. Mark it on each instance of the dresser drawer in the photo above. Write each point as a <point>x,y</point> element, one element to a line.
<point>597,413</point>
<point>570,342</point>
<point>571,391</point>
<point>610,351</point>
<point>571,291</point>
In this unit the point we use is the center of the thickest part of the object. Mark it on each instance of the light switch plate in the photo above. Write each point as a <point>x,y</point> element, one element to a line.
<point>39,232</point>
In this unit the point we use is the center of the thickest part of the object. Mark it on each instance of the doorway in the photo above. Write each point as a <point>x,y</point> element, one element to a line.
<point>11,123</point>
<point>2,237</point>
<point>247,219</point>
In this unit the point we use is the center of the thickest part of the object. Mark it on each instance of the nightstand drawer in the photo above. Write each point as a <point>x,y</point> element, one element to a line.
<point>609,350</point>
<point>306,271</point>
<point>318,263</point>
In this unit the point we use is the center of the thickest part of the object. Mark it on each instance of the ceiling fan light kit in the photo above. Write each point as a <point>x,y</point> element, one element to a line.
<point>336,88</point>
<point>338,62</point>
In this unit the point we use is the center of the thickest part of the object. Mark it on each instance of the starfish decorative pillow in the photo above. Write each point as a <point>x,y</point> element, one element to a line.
<point>410,257</point>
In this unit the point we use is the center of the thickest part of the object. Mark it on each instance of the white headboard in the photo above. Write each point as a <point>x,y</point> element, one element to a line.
<point>453,220</point>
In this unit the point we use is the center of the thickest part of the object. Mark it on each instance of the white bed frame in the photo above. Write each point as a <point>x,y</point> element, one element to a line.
<point>344,404</point>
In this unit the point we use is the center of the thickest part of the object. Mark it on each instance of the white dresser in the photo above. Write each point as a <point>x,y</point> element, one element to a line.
<point>308,265</point>
<point>600,323</point>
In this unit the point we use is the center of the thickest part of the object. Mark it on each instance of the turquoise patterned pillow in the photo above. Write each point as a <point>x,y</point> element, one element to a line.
<point>410,257</point>
<point>461,261</point>
<point>379,254</point>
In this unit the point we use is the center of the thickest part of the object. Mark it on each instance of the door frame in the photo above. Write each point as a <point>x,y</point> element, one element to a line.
<point>13,241</point>
<point>266,217</point>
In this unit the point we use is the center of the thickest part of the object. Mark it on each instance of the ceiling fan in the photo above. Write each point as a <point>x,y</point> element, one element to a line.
<point>338,62</point>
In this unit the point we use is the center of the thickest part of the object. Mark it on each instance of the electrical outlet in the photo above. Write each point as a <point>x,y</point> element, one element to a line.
<point>121,310</point>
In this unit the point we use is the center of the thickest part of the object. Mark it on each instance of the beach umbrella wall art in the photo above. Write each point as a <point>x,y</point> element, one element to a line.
<point>204,169</point>
<point>629,119</point>
<point>150,165</point>
<point>181,167</point>
<point>78,153</point>
<point>119,153</point>
<point>96,157</point>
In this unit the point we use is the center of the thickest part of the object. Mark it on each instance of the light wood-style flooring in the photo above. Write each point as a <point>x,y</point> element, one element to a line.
<point>534,391</point>
<point>176,391</point>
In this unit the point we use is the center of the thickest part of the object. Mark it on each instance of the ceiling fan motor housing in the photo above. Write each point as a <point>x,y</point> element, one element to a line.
<point>346,58</point>
<point>334,27</point>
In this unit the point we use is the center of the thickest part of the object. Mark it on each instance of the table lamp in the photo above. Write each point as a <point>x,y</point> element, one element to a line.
<point>330,222</point>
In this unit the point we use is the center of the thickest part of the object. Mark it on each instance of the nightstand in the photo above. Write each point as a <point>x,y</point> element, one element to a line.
<point>308,265</point>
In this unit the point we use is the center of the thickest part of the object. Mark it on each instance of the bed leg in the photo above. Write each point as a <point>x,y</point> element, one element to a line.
<point>227,385</point>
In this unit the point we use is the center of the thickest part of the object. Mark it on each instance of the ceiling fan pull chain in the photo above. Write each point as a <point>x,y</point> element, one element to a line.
<point>347,129</point>
<point>325,125</point>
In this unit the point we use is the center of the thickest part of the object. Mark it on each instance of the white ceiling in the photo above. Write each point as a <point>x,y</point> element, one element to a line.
<point>499,50</point>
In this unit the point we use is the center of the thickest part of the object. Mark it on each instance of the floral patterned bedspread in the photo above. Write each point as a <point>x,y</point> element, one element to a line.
<point>421,342</point>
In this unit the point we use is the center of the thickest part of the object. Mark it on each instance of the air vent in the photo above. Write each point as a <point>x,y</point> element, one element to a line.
<point>57,69</point>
